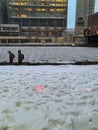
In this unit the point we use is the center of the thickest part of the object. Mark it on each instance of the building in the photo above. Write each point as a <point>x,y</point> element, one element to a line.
<point>9,33</point>
<point>93,22</point>
<point>79,27</point>
<point>39,21</point>
<point>91,32</point>
<point>0,13</point>
<point>84,8</point>
<point>68,34</point>
<point>1,19</point>
<point>3,12</point>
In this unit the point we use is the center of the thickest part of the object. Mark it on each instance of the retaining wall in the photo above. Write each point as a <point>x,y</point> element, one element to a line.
<point>50,54</point>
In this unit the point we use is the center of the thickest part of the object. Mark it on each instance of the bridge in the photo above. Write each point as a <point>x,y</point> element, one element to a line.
<point>91,37</point>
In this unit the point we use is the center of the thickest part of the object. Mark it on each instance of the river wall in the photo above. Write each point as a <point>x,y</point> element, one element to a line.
<point>51,54</point>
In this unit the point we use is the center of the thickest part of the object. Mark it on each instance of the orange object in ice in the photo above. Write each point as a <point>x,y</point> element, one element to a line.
<point>40,88</point>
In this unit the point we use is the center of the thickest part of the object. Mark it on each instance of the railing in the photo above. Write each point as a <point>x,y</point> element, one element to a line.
<point>56,4</point>
<point>90,32</point>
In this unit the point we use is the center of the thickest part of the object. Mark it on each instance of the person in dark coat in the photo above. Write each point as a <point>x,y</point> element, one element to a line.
<point>11,57</point>
<point>20,57</point>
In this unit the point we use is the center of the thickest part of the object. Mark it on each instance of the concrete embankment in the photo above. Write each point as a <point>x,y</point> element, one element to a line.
<point>35,55</point>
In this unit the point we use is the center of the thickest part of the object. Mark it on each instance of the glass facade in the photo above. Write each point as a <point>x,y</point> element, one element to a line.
<point>0,13</point>
<point>39,13</point>
<point>3,12</point>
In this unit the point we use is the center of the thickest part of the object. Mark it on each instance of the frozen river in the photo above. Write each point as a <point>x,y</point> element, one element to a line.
<point>49,97</point>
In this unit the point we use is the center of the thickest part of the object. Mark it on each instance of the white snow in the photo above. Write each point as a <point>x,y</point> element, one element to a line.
<point>68,102</point>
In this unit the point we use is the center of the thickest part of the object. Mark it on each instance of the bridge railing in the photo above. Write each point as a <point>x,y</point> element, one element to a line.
<point>90,32</point>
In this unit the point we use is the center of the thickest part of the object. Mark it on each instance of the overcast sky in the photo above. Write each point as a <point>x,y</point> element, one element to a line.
<point>71,12</point>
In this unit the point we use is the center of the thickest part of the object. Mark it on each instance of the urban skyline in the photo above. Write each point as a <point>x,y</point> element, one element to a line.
<point>38,20</point>
<point>72,11</point>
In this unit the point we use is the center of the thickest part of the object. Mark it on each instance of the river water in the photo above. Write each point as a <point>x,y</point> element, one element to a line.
<point>48,97</point>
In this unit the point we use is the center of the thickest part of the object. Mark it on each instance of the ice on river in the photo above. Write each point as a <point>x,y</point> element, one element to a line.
<point>67,101</point>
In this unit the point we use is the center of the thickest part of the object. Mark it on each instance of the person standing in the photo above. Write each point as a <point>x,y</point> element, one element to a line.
<point>20,57</point>
<point>11,57</point>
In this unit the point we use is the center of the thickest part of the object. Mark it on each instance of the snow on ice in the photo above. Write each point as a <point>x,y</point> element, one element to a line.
<point>49,97</point>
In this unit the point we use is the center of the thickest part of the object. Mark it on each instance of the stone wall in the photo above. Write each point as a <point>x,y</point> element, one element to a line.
<point>49,54</point>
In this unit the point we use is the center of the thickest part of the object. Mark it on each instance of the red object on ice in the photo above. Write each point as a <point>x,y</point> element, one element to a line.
<point>40,88</point>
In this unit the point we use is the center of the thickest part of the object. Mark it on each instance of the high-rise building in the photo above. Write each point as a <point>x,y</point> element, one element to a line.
<point>39,20</point>
<point>93,22</point>
<point>83,9</point>
<point>0,13</point>
<point>3,12</point>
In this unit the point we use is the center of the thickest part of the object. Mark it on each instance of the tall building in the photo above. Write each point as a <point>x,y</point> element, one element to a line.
<point>3,12</point>
<point>0,13</point>
<point>93,22</point>
<point>83,9</point>
<point>39,20</point>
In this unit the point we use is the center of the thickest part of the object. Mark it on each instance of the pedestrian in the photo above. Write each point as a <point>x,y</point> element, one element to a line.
<point>20,57</point>
<point>11,57</point>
